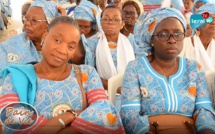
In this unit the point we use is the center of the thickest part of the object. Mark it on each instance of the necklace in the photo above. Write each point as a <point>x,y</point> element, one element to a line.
<point>48,75</point>
<point>125,28</point>
<point>165,74</point>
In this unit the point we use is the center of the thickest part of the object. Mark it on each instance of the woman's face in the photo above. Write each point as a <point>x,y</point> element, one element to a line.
<point>111,21</point>
<point>129,15</point>
<point>188,4</point>
<point>35,24</point>
<point>170,48</point>
<point>59,46</point>
<point>209,29</point>
<point>86,28</point>
<point>198,5</point>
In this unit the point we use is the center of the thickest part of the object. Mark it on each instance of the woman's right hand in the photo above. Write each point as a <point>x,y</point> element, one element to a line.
<point>53,125</point>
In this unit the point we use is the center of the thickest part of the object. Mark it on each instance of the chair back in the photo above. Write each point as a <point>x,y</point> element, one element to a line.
<point>113,84</point>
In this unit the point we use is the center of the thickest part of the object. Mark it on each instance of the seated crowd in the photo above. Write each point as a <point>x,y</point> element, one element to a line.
<point>61,60</point>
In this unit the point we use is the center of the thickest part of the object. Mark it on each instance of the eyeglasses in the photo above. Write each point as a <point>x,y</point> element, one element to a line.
<point>32,21</point>
<point>166,36</point>
<point>114,20</point>
<point>85,28</point>
<point>131,14</point>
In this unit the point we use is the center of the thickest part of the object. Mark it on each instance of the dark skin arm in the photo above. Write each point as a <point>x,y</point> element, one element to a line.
<point>53,125</point>
<point>104,83</point>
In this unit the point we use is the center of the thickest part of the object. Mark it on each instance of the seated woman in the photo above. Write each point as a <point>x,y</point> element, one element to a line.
<point>188,5</point>
<point>24,10</point>
<point>201,47</point>
<point>58,87</point>
<point>109,51</point>
<point>26,47</point>
<point>198,3</point>
<point>88,17</point>
<point>163,93</point>
<point>131,10</point>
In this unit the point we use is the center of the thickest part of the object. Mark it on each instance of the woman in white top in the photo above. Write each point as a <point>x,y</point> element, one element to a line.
<point>201,47</point>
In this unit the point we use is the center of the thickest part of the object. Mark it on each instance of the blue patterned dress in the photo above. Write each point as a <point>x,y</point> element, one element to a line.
<point>17,50</point>
<point>184,93</point>
<point>53,97</point>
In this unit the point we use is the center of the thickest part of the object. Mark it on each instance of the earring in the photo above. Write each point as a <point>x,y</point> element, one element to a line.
<point>197,33</point>
<point>41,44</point>
<point>152,45</point>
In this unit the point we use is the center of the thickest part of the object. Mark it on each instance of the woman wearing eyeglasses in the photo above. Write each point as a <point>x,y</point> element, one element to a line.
<point>201,47</point>
<point>109,51</point>
<point>26,47</point>
<point>163,93</point>
<point>131,10</point>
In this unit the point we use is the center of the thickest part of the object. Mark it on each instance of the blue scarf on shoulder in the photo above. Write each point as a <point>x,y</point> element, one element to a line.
<point>24,79</point>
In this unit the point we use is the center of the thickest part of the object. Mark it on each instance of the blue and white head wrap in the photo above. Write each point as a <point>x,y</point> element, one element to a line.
<point>210,8</point>
<point>196,1</point>
<point>49,8</point>
<point>151,21</point>
<point>86,10</point>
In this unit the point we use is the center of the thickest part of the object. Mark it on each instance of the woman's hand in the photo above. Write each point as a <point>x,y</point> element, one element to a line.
<point>119,90</point>
<point>53,125</point>
<point>61,10</point>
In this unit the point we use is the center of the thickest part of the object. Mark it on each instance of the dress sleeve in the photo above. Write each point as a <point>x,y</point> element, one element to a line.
<point>133,122</point>
<point>204,111</point>
<point>90,48</point>
<point>100,116</point>
<point>3,57</point>
<point>9,95</point>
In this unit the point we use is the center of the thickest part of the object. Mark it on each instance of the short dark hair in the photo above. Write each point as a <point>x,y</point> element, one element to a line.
<point>63,19</point>
<point>111,6</point>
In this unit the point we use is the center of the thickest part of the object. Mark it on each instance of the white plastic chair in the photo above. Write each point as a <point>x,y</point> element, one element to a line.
<point>113,84</point>
<point>211,82</point>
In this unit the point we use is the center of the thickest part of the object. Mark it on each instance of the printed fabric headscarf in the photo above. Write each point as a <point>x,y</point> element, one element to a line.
<point>151,21</point>
<point>86,10</point>
<point>210,8</point>
<point>49,9</point>
<point>196,1</point>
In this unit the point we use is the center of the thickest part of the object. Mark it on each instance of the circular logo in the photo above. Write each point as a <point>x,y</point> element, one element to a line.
<point>18,116</point>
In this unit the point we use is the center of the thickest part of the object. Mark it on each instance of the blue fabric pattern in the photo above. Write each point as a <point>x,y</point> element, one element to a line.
<point>165,96</point>
<point>54,95</point>
<point>86,10</point>
<point>49,8</point>
<point>205,8</point>
<point>151,21</point>
<point>17,50</point>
